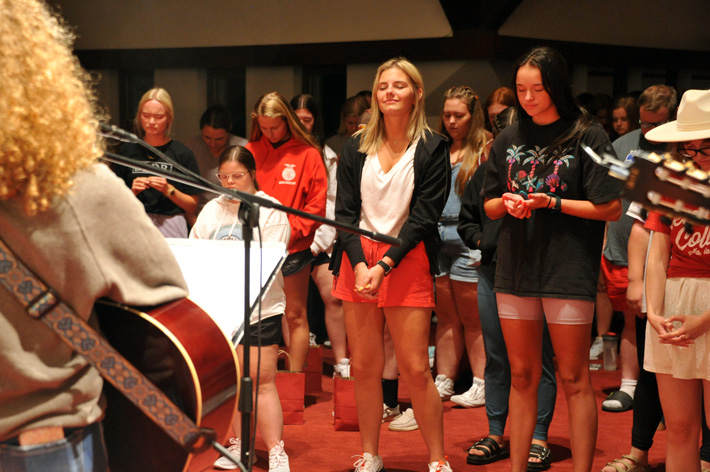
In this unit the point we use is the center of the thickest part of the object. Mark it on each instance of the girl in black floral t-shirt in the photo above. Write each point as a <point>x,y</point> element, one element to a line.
<point>553,200</point>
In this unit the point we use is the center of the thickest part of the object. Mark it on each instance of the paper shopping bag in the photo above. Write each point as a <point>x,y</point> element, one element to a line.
<point>344,407</point>
<point>291,387</point>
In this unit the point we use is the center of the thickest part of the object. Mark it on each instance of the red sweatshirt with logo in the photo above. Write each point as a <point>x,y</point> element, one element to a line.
<point>294,174</point>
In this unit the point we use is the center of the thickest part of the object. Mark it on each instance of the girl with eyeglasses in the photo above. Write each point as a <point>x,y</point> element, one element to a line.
<point>219,220</point>
<point>678,297</point>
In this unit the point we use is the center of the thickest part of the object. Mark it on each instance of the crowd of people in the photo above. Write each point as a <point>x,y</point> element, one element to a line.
<point>496,211</point>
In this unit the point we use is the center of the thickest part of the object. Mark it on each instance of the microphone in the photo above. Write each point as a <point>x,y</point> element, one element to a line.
<point>114,132</point>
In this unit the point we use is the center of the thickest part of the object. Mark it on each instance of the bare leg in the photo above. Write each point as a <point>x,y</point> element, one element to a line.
<point>681,400</point>
<point>570,344</point>
<point>334,318</point>
<point>523,340</point>
<point>466,296</point>
<point>449,330</point>
<point>296,291</point>
<point>270,419</point>
<point>390,371</point>
<point>365,325</point>
<point>410,333</point>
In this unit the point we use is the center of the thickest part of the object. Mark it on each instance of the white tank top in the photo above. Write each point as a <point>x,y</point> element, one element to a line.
<point>386,196</point>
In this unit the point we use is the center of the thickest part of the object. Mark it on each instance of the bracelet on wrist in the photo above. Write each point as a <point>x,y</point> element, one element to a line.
<point>170,192</point>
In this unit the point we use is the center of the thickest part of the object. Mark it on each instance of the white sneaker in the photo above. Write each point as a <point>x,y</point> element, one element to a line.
<point>475,396</point>
<point>236,449</point>
<point>342,368</point>
<point>595,352</point>
<point>368,463</point>
<point>278,460</point>
<point>445,386</point>
<point>404,422</point>
<point>389,413</point>
<point>312,340</point>
<point>441,466</point>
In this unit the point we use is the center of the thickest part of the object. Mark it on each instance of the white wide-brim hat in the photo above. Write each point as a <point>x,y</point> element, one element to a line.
<point>693,120</point>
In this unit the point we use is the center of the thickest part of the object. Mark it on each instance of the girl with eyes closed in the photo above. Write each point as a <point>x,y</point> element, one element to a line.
<point>393,178</point>
<point>290,168</point>
<point>553,200</point>
<point>166,202</point>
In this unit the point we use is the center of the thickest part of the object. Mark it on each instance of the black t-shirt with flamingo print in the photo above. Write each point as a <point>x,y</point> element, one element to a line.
<point>550,254</point>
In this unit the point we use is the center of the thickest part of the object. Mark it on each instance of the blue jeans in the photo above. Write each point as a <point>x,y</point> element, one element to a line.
<point>83,450</point>
<point>497,372</point>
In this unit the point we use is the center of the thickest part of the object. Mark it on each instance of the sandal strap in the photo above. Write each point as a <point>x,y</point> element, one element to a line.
<point>617,463</point>
<point>488,446</point>
<point>540,452</point>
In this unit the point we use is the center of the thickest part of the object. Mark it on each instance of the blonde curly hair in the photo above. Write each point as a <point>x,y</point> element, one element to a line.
<point>49,116</point>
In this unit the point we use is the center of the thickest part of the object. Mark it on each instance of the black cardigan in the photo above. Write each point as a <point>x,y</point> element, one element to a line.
<point>475,228</point>
<point>432,179</point>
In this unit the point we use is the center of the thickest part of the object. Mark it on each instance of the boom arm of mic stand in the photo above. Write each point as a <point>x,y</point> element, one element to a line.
<point>246,197</point>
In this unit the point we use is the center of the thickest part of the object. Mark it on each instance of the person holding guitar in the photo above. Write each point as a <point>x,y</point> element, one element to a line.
<point>678,296</point>
<point>78,228</point>
<point>219,220</point>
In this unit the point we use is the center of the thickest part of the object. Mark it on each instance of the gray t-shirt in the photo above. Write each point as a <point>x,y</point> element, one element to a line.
<point>617,237</point>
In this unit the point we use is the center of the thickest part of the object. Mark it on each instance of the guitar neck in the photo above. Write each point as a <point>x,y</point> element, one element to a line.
<point>669,186</point>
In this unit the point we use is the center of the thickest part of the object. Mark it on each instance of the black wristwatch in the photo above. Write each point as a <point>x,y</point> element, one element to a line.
<point>385,266</point>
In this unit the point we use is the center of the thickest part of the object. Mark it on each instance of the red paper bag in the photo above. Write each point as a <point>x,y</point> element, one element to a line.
<point>314,370</point>
<point>291,387</point>
<point>344,407</point>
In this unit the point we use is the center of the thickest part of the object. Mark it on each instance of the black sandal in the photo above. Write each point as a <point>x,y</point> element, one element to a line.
<point>491,450</point>
<point>538,451</point>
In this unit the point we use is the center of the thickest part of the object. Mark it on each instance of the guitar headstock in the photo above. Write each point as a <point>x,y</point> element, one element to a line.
<point>675,188</point>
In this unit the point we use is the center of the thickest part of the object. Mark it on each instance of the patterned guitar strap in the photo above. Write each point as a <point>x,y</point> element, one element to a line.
<point>42,303</point>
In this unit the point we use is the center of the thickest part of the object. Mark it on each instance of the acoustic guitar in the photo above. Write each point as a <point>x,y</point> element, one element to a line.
<point>661,183</point>
<point>185,354</point>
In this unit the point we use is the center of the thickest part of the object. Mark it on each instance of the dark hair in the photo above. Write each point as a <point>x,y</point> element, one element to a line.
<point>631,108</point>
<point>217,117</point>
<point>307,102</point>
<point>243,156</point>
<point>555,79</point>
<point>504,119</point>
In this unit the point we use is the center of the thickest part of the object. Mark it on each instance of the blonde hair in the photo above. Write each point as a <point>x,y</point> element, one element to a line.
<point>474,143</point>
<point>161,96</point>
<point>373,135</point>
<point>49,116</point>
<point>353,106</point>
<point>274,105</point>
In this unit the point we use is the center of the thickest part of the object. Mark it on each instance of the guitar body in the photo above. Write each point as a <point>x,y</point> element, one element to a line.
<point>185,354</point>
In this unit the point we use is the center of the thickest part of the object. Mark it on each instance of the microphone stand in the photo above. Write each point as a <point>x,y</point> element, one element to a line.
<point>249,216</point>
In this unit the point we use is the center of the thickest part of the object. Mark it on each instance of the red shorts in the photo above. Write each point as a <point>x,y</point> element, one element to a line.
<point>616,278</point>
<point>409,284</point>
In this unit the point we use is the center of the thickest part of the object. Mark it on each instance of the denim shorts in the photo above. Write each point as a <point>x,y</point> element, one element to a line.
<point>81,449</point>
<point>455,259</point>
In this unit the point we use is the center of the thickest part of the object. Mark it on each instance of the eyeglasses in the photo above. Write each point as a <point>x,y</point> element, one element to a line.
<point>649,125</point>
<point>693,152</point>
<point>225,177</point>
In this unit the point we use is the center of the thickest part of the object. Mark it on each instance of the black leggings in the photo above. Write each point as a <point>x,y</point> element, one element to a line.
<point>647,404</point>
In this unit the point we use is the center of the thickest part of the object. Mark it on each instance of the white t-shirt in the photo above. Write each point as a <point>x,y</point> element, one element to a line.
<point>386,195</point>
<point>219,220</point>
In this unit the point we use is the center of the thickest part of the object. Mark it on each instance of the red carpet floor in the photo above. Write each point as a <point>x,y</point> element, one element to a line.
<point>315,446</point>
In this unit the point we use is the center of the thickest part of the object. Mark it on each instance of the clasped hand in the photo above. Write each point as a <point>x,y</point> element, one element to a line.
<point>368,281</point>
<point>520,207</point>
<point>679,330</point>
